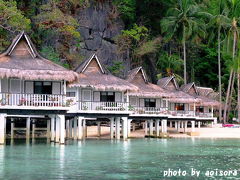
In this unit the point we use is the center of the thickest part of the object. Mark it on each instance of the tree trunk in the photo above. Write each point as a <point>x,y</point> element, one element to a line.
<point>219,75</point>
<point>227,97</point>
<point>230,96</point>
<point>184,56</point>
<point>238,83</point>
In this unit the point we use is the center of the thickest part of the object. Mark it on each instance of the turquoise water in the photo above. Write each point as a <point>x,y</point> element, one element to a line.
<point>105,159</point>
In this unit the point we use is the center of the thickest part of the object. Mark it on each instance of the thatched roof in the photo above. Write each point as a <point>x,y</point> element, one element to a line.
<point>168,82</point>
<point>21,60</point>
<point>92,73</point>
<point>138,77</point>
<point>204,91</point>
<point>201,94</point>
<point>189,88</point>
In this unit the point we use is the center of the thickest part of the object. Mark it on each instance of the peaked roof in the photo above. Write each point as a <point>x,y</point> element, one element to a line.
<point>83,66</point>
<point>132,73</point>
<point>163,82</point>
<point>92,73</point>
<point>21,60</point>
<point>138,77</point>
<point>204,91</point>
<point>186,87</point>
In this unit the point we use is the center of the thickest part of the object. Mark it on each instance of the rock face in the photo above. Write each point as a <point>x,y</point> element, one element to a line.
<point>98,31</point>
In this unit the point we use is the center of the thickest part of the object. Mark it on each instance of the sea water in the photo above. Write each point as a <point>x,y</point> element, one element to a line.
<point>111,159</point>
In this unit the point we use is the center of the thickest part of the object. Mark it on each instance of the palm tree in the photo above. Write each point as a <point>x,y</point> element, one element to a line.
<point>220,21</point>
<point>185,22</point>
<point>234,13</point>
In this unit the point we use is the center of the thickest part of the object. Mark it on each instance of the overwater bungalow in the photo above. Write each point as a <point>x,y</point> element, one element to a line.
<point>98,94</point>
<point>31,86</point>
<point>206,105</point>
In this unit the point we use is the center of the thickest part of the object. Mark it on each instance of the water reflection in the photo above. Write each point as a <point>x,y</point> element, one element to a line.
<point>2,159</point>
<point>61,161</point>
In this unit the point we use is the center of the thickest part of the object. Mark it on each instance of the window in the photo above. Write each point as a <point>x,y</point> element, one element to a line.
<point>107,97</point>
<point>70,94</point>
<point>200,109</point>
<point>179,107</point>
<point>42,87</point>
<point>150,102</point>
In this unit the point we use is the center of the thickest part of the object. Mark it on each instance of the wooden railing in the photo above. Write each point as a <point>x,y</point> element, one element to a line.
<point>42,100</point>
<point>204,114</point>
<point>181,113</point>
<point>149,110</point>
<point>103,106</point>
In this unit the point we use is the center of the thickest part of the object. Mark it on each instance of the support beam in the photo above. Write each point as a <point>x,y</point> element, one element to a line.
<point>157,128</point>
<point>52,128</point>
<point>129,126</point>
<point>80,127</point>
<point>67,128</point>
<point>33,128</point>
<point>62,128</point>
<point>193,126</point>
<point>70,128</point>
<point>164,126</point>
<point>111,128</point>
<point>146,128</point>
<point>99,128</point>
<point>28,121</point>
<point>12,128</point>
<point>118,135</point>
<point>2,128</point>
<point>84,129</point>
<point>199,124</point>
<point>125,128</point>
<point>151,128</point>
<point>48,128</point>
<point>57,132</point>
<point>185,126</point>
<point>75,128</point>
<point>170,125</point>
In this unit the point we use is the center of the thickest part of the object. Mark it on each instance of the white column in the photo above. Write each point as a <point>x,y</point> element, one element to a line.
<point>182,125</point>
<point>80,127</point>
<point>52,128</point>
<point>99,128</point>
<point>70,128</point>
<point>151,128</point>
<point>33,128</point>
<point>62,128</point>
<point>212,111</point>
<point>170,124</point>
<point>57,132</point>
<point>84,128</point>
<point>164,126</point>
<point>28,127</point>
<point>2,128</point>
<point>125,128</point>
<point>176,125</point>
<point>111,128</point>
<point>12,128</point>
<point>157,127</point>
<point>75,128</point>
<point>185,126</point>
<point>118,127</point>
<point>67,128</point>
<point>199,124</point>
<point>129,126</point>
<point>48,128</point>
<point>193,126</point>
<point>146,128</point>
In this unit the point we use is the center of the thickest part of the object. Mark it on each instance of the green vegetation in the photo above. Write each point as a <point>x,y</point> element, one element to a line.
<point>191,39</point>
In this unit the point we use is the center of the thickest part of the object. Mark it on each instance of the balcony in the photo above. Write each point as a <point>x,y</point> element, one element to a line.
<point>103,106</point>
<point>182,113</point>
<point>204,114</point>
<point>24,101</point>
<point>148,110</point>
